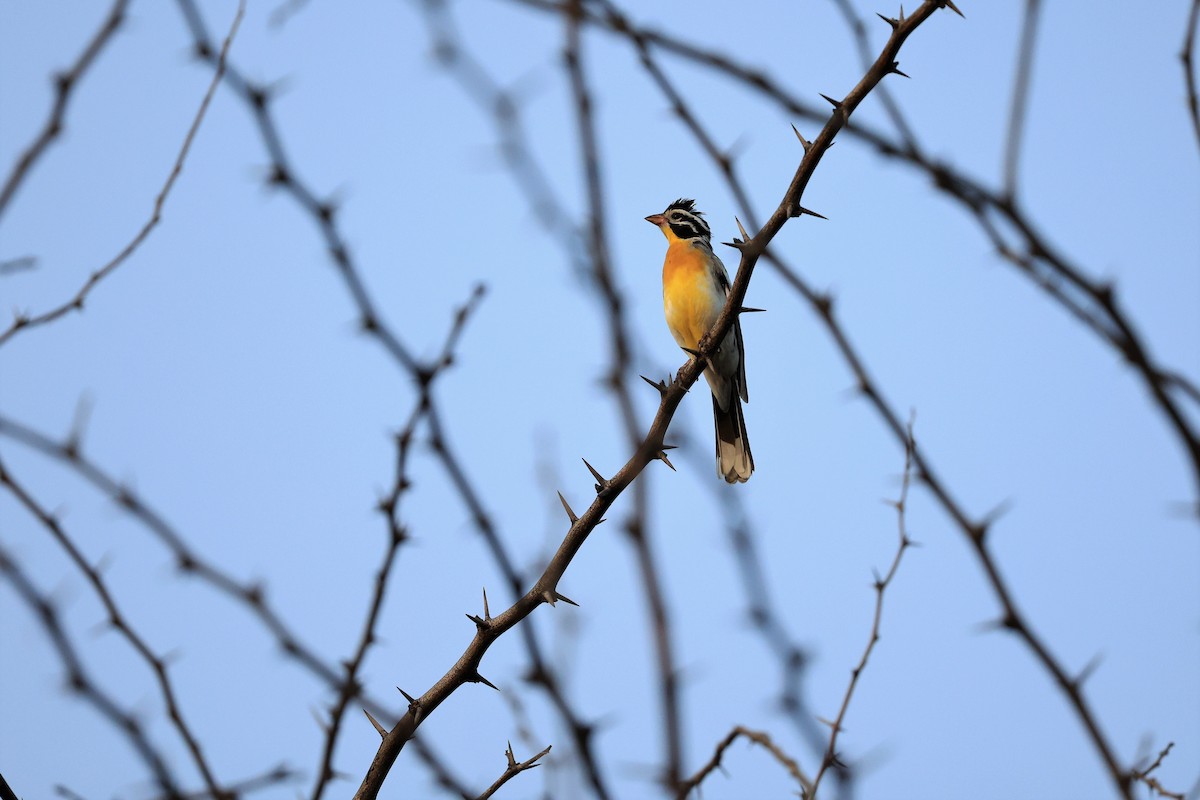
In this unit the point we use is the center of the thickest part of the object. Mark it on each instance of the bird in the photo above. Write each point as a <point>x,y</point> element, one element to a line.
<point>695,287</point>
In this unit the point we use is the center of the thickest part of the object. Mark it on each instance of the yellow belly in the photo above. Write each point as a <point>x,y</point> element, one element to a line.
<point>690,300</point>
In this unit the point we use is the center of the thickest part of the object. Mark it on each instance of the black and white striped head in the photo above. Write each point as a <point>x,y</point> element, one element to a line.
<point>681,220</point>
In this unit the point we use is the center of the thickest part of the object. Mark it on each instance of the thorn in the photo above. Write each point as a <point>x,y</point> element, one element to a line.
<point>486,614</point>
<point>895,23</point>
<point>552,596</point>
<point>379,728</point>
<point>663,458</point>
<point>831,724</point>
<point>661,386</point>
<point>804,142</point>
<point>477,678</point>
<point>748,310</point>
<point>480,622</point>
<point>736,244</point>
<point>412,701</point>
<point>835,103</point>
<point>801,210</point>
<point>600,482</point>
<point>696,354</point>
<point>901,18</point>
<point>948,4</point>
<point>745,236</point>
<point>895,69</point>
<point>1087,670</point>
<point>570,513</point>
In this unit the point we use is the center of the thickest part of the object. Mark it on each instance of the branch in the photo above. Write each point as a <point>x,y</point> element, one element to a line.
<point>514,768</point>
<point>881,585</point>
<point>1020,96</point>
<point>1187,56</point>
<point>758,737</point>
<point>64,86</point>
<point>78,681</point>
<point>24,322</point>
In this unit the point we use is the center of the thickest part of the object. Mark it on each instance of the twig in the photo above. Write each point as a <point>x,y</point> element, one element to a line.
<point>1144,776</point>
<point>24,322</point>
<point>881,585</point>
<point>64,86</point>
<point>513,769</point>
<point>1187,56</point>
<point>758,737</point>
<point>1020,95</point>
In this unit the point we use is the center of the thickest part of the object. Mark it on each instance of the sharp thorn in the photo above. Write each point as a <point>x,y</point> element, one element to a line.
<point>478,620</point>
<point>668,447</point>
<point>477,678</point>
<point>663,458</point>
<point>736,244</point>
<point>661,386</point>
<point>748,310</point>
<point>804,142</point>
<point>895,69</point>
<point>895,23</point>
<point>570,513</point>
<point>811,213</point>
<point>835,103</point>
<point>600,481</point>
<point>948,4</point>
<point>693,353</point>
<point>552,596</point>
<point>486,614</point>
<point>745,236</point>
<point>412,701</point>
<point>379,728</point>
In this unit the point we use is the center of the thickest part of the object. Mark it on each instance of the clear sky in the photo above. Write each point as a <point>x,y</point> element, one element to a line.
<point>228,383</point>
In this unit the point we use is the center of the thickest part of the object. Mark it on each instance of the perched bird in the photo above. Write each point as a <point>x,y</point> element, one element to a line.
<point>695,285</point>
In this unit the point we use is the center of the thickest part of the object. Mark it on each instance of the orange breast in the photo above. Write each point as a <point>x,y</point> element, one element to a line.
<point>689,297</point>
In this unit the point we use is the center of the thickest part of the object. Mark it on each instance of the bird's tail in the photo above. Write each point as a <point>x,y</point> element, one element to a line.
<point>734,461</point>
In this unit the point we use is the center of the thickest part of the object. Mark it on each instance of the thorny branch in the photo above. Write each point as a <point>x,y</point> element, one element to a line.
<point>65,84</point>
<point>1187,56</point>
<point>758,737</point>
<point>513,769</point>
<point>25,322</point>
<point>78,679</point>
<point>1092,301</point>
<point>544,590</point>
<point>119,622</point>
<point>881,584</point>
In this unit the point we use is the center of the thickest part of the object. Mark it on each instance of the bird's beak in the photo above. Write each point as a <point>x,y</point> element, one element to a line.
<point>656,219</point>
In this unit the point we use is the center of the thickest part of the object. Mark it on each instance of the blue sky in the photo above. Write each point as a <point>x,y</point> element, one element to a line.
<point>227,382</point>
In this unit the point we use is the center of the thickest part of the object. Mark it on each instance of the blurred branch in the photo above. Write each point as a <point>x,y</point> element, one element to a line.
<point>24,322</point>
<point>545,589</point>
<point>78,680</point>
<point>881,585</point>
<point>18,264</point>
<point>758,737</point>
<point>514,768</point>
<point>283,176</point>
<point>637,524</point>
<point>120,623</point>
<point>64,86</point>
<point>1020,95</point>
<point>1187,56</point>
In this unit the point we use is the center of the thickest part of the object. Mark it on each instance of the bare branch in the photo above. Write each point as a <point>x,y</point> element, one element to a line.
<point>64,86</point>
<point>1187,56</point>
<point>758,737</point>
<point>23,322</point>
<point>881,585</point>
<point>1020,96</point>
<point>513,769</point>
